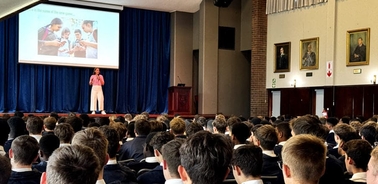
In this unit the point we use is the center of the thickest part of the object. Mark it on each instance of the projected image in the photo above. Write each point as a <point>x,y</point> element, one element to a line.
<point>68,36</point>
<point>55,38</point>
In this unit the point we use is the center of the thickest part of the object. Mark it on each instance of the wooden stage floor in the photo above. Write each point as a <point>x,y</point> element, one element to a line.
<point>185,116</point>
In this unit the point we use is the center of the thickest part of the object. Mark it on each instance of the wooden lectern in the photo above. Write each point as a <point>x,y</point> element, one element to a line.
<point>179,100</point>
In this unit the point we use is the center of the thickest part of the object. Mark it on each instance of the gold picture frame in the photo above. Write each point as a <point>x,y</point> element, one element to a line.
<point>282,57</point>
<point>358,47</point>
<point>309,54</point>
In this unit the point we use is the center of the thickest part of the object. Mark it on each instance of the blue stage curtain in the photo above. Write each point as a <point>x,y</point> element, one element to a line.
<point>140,84</point>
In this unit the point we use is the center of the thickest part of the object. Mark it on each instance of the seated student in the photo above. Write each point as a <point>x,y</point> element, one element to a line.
<point>34,125</point>
<point>113,172</point>
<point>219,125</point>
<point>156,126</point>
<point>368,132</point>
<point>65,133</point>
<point>372,172</point>
<point>246,164</point>
<point>156,174</point>
<point>95,139</point>
<point>149,161</point>
<point>171,161</point>
<point>17,127</point>
<point>330,123</point>
<point>121,129</point>
<point>49,124</point>
<point>72,164</point>
<point>231,121</point>
<point>75,122</point>
<point>266,138</point>
<point>205,158</point>
<point>134,148</point>
<point>4,131</point>
<point>23,152</point>
<point>239,133</point>
<point>357,155</point>
<point>177,125</point>
<point>5,169</point>
<point>303,159</point>
<point>193,128</point>
<point>343,134</point>
<point>283,134</point>
<point>334,172</point>
<point>47,144</point>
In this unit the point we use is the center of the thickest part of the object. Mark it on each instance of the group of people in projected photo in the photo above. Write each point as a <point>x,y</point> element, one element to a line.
<point>52,44</point>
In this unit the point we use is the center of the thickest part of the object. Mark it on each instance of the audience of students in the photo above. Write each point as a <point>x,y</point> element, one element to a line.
<point>299,146</point>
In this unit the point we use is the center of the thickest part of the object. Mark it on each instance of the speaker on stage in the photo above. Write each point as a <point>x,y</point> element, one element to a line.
<point>222,3</point>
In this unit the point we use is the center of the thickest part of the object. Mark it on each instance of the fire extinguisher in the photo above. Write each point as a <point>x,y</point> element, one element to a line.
<point>325,113</point>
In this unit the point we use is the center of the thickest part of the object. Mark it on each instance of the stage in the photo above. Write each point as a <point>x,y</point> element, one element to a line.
<point>99,115</point>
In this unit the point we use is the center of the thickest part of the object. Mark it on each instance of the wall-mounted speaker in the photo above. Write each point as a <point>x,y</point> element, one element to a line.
<point>222,3</point>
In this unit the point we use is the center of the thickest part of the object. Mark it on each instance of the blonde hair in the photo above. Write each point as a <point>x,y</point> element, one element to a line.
<point>177,125</point>
<point>95,139</point>
<point>305,155</point>
<point>374,160</point>
<point>139,117</point>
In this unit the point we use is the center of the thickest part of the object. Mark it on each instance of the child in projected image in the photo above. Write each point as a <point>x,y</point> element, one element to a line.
<point>77,48</point>
<point>91,42</point>
<point>48,42</point>
<point>64,50</point>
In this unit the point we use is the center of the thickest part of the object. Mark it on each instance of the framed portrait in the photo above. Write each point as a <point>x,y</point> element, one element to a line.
<point>309,54</point>
<point>282,57</point>
<point>358,47</point>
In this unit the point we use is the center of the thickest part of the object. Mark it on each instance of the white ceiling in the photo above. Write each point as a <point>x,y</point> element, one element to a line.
<point>8,7</point>
<point>190,6</point>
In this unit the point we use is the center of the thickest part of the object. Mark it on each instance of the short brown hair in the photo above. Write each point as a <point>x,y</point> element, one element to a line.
<point>345,132</point>
<point>50,123</point>
<point>156,126</point>
<point>306,156</point>
<point>25,149</point>
<point>220,124</point>
<point>177,125</point>
<point>206,157</point>
<point>5,169</point>
<point>359,150</point>
<point>95,139</point>
<point>73,164</point>
<point>171,154</point>
<point>34,125</point>
<point>267,136</point>
<point>64,132</point>
<point>142,127</point>
<point>121,129</point>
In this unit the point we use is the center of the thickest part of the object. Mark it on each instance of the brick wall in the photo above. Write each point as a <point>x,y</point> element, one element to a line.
<point>259,95</point>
